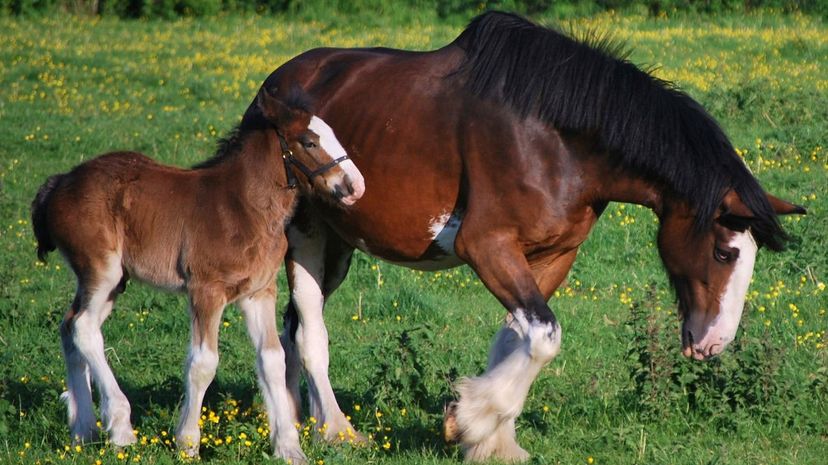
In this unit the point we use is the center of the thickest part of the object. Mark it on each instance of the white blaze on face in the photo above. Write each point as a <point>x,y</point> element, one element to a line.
<point>331,145</point>
<point>722,329</point>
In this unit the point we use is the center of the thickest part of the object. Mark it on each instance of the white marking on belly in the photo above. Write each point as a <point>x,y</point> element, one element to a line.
<point>444,231</point>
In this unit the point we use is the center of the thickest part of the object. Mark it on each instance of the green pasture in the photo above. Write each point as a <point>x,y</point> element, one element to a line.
<point>620,392</point>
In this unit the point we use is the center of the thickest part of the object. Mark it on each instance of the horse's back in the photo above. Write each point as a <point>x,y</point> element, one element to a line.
<point>398,115</point>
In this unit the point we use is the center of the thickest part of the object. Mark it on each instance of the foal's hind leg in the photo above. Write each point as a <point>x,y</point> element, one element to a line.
<point>206,305</point>
<point>78,395</point>
<point>270,366</point>
<point>82,336</point>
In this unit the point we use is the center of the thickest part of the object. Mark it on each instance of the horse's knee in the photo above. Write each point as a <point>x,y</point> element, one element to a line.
<point>544,340</point>
<point>540,330</point>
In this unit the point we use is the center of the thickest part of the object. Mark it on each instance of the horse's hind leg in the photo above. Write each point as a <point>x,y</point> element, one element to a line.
<point>270,366</point>
<point>82,336</point>
<point>206,305</point>
<point>317,262</point>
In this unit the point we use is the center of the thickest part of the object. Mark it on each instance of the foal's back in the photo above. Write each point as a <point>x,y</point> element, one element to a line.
<point>161,223</point>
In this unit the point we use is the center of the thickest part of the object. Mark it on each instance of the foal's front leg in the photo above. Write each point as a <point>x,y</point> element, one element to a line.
<point>317,263</point>
<point>206,305</point>
<point>260,316</point>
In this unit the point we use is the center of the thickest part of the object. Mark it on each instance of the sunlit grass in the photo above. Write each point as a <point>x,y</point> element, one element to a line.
<point>72,88</point>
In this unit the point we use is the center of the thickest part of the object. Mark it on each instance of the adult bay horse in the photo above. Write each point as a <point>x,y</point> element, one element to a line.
<point>501,150</point>
<point>215,232</point>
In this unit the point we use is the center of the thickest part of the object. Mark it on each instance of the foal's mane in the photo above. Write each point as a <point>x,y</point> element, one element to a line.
<point>230,145</point>
<point>585,86</point>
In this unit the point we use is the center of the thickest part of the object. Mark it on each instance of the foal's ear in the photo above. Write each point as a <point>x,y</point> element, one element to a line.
<point>273,109</point>
<point>783,207</point>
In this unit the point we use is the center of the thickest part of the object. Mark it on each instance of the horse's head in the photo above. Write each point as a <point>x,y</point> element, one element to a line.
<point>711,269</point>
<point>309,145</point>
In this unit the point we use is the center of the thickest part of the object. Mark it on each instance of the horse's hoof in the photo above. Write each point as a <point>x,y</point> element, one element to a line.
<point>451,433</point>
<point>88,437</point>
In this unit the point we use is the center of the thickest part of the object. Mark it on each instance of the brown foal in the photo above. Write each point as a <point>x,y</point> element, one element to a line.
<point>215,232</point>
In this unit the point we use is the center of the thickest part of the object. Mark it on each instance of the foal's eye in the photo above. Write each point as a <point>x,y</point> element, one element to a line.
<point>308,144</point>
<point>722,255</point>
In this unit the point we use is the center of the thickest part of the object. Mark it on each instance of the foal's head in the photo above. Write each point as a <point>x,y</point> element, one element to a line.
<point>711,269</point>
<point>309,145</point>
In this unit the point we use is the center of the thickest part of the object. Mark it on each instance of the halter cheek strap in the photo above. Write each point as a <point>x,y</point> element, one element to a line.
<point>290,160</point>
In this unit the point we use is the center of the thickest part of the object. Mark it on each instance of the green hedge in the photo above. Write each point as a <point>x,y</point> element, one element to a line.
<point>439,8</point>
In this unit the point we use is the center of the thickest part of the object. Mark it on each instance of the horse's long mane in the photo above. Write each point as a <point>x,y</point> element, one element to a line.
<point>584,86</point>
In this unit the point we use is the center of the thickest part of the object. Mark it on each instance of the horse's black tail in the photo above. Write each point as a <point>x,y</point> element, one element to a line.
<point>40,206</point>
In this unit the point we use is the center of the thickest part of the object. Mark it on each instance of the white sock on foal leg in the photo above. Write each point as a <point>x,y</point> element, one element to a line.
<point>312,336</point>
<point>270,367</point>
<point>488,404</point>
<point>87,338</point>
<point>200,371</point>
<point>78,396</point>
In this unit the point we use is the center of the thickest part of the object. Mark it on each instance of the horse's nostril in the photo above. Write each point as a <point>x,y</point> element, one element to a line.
<point>349,185</point>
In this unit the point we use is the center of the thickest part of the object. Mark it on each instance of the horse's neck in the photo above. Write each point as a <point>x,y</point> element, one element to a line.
<point>619,185</point>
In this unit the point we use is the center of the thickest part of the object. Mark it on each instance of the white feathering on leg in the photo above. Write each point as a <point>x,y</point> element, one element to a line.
<point>489,403</point>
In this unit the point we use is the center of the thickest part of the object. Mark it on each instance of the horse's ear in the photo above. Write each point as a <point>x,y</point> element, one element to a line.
<point>732,205</point>
<point>783,207</point>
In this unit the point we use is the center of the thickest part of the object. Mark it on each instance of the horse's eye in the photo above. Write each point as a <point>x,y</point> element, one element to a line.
<point>308,144</point>
<point>722,255</point>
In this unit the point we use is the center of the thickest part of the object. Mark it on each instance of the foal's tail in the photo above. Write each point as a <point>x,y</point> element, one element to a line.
<point>40,206</point>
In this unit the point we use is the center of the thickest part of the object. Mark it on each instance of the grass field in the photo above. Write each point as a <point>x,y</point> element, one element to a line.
<point>620,393</point>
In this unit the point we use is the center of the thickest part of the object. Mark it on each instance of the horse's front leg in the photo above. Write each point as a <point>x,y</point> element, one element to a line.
<point>482,419</point>
<point>258,311</point>
<point>206,305</point>
<point>316,264</point>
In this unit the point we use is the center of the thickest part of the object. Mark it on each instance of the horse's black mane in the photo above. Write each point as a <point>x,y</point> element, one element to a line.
<point>583,86</point>
<point>229,145</point>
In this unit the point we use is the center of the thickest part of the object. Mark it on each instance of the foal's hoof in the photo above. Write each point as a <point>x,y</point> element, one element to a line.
<point>188,452</point>
<point>293,456</point>
<point>348,436</point>
<point>122,438</point>
<point>451,432</point>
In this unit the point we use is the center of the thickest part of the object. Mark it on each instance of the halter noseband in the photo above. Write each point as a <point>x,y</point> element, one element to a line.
<point>287,156</point>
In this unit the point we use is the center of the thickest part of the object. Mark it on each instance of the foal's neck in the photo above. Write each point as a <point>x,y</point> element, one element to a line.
<point>256,165</point>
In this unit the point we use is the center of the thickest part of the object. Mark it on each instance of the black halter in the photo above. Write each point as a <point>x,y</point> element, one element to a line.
<point>287,156</point>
